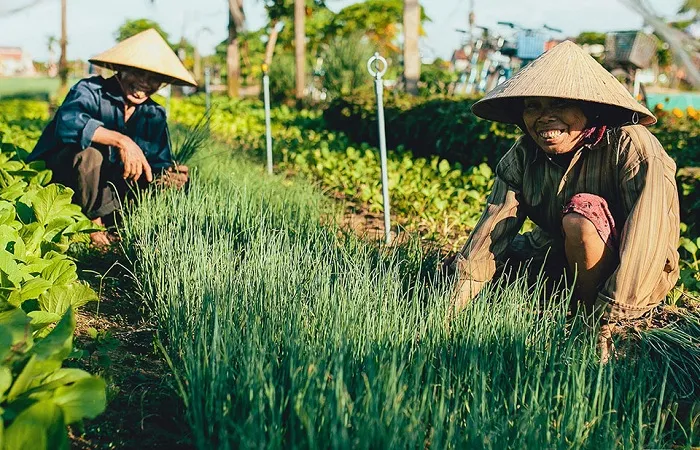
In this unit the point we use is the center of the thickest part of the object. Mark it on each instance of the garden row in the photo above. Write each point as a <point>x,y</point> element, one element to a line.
<point>286,333</point>
<point>39,291</point>
<point>439,200</point>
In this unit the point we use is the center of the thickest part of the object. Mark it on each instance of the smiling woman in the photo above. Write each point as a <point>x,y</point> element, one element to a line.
<point>598,185</point>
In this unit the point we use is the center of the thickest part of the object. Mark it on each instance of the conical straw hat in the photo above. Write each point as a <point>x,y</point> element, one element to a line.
<point>565,71</point>
<point>146,51</point>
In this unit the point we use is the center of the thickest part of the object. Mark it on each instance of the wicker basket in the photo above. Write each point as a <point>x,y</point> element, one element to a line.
<point>630,47</point>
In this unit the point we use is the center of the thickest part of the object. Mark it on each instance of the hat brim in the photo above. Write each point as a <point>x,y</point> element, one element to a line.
<point>510,110</point>
<point>123,67</point>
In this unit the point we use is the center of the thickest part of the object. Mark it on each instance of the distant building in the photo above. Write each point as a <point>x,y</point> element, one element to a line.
<point>14,62</point>
<point>459,60</point>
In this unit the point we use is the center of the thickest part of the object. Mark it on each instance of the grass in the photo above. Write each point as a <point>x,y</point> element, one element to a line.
<point>284,333</point>
<point>37,88</point>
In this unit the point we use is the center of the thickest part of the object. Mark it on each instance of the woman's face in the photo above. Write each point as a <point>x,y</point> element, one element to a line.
<point>555,124</point>
<point>139,85</point>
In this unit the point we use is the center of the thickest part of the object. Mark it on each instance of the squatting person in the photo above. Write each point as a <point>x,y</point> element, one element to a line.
<point>598,185</point>
<point>109,134</point>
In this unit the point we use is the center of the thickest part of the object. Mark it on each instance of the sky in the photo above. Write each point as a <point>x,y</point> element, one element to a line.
<point>92,23</point>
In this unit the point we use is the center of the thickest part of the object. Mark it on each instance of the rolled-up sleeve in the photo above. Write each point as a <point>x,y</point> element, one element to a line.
<point>77,118</point>
<point>498,225</point>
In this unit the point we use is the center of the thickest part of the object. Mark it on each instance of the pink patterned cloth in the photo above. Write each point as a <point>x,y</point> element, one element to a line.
<point>595,209</point>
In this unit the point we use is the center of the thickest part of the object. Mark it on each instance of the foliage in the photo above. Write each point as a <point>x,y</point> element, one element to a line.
<point>440,126</point>
<point>441,200</point>
<point>132,27</point>
<point>22,121</point>
<point>344,66</point>
<point>282,78</point>
<point>190,140</point>
<point>591,38</point>
<point>379,20</point>
<point>38,398</point>
<point>38,287</point>
<point>436,78</point>
<point>37,225</point>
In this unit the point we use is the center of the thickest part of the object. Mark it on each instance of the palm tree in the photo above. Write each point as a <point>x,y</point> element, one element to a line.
<point>300,45</point>
<point>411,52</point>
<point>236,23</point>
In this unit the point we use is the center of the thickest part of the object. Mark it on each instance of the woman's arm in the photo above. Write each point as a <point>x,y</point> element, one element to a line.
<point>135,163</point>
<point>651,228</point>
<point>476,263</point>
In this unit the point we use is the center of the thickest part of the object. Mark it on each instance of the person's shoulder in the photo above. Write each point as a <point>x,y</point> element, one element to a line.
<point>512,165</point>
<point>638,142</point>
<point>152,108</point>
<point>94,83</point>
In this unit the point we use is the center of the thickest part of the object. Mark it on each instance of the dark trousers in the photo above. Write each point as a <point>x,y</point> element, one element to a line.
<point>97,182</point>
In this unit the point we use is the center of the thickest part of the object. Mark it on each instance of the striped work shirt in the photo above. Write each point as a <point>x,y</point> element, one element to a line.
<point>631,170</point>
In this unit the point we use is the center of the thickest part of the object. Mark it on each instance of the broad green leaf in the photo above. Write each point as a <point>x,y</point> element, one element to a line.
<point>13,191</point>
<point>34,288</point>
<point>82,226</point>
<point>9,269</point>
<point>5,382</point>
<point>8,235</point>
<point>60,271</point>
<point>7,212</point>
<point>47,355</point>
<point>36,264</point>
<point>84,398</point>
<point>59,299</point>
<point>32,235</point>
<point>41,319</point>
<point>15,322</point>
<point>51,202</point>
<point>40,427</point>
<point>34,372</point>
<point>689,245</point>
<point>57,226</point>
<point>57,345</point>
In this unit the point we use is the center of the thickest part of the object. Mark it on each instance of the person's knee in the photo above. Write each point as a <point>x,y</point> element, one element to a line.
<point>88,160</point>
<point>578,229</point>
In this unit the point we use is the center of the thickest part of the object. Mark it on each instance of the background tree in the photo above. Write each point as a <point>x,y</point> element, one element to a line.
<point>236,25</point>
<point>379,20</point>
<point>590,38</point>
<point>132,27</point>
<point>300,47</point>
<point>63,59</point>
<point>411,51</point>
<point>690,6</point>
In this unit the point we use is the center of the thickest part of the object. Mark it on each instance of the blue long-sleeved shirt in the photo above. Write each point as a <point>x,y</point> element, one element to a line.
<point>95,102</point>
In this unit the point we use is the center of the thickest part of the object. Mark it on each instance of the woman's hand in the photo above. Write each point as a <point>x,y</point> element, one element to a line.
<point>135,163</point>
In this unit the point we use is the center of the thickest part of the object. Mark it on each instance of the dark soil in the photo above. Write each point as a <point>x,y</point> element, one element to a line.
<point>116,339</point>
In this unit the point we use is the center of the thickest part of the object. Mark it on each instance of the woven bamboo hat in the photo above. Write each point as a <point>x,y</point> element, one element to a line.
<point>146,51</point>
<point>565,71</point>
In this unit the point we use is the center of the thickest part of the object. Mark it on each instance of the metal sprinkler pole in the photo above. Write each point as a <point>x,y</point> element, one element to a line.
<point>375,68</point>
<point>268,127</point>
<point>207,88</point>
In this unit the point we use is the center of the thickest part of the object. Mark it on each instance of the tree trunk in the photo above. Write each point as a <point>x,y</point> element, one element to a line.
<point>63,60</point>
<point>300,46</point>
<point>236,20</point>
<point>411,52</point>
<point>271,42</point>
